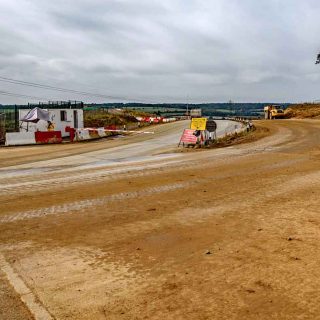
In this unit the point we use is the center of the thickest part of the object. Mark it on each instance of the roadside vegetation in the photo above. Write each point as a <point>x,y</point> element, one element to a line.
<point>301,111</point>
<point>257,132</point>
<point>109,117</point>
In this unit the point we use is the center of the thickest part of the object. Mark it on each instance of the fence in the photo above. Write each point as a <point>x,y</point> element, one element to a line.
<point>2,127</point>
<point>9,119</point>
<point>56,105</point>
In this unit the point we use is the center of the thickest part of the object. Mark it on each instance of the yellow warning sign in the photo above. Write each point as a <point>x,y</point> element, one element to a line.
<point>198,123</point>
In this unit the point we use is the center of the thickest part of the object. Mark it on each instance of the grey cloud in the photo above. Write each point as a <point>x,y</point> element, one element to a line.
<point>163,50</point>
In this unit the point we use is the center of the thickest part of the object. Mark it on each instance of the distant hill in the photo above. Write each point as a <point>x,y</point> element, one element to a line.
<point>222,109</point>
<point>208,109</point>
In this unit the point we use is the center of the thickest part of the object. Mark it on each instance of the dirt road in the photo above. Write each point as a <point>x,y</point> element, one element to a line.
<point>122,149</point>
<point>223,234</point>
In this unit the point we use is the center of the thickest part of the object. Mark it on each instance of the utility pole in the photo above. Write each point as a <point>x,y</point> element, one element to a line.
<point>187,106</point>
<point>230,106</point>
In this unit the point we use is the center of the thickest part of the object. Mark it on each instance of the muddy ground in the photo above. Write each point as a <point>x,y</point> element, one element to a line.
<point>229,233</point>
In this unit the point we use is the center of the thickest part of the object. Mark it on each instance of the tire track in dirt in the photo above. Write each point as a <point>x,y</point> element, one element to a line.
<point>73,177</point>
<point>84,204</point>
<point>81,178</point>
<point>249,209</point>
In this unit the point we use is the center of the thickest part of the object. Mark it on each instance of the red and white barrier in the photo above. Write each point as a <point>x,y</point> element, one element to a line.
<point>82,134</point>
<point>95,133</point>
<point>44,137</point>
<point>37,137</point>
<point>155,120</point>
<point>188,137</point>
<point>166,120</point>
<point>91,133</point>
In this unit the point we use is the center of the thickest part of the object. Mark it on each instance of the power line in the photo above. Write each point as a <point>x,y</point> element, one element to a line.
<point>49,87</point>
<point>12,94</point>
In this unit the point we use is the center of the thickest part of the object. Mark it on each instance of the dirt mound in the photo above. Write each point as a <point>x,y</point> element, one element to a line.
<point>301,111</point>
<point>104,118</point>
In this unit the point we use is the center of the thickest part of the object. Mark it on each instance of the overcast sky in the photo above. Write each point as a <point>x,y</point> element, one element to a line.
<point>162,51</point>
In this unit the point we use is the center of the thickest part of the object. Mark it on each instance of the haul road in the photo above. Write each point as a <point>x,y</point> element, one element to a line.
<point>197,235</point>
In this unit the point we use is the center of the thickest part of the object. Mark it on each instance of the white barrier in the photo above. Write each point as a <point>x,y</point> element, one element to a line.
<point>20,138</point>
<point>165,120</point>
<point>96,133</point>
<point>82,135</point>
<point>91,133</point>
<point>102,132</point>
<point>155,120</point>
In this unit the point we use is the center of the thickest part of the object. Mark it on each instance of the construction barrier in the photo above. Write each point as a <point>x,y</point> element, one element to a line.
<point>102,132</point>
<point>155,120</point>
<point>91,133</point>
<point>37,137</point>
<point>166,120</point>
<point>193,137</point>
<point>43,137</point>
<point>71,132</point>
<point>82,134</point>
<point>20,138</point>
<point>94,134</point>
<point>188,137</point>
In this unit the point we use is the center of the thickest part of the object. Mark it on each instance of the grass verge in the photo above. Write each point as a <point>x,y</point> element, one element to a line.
<point>258,132</point>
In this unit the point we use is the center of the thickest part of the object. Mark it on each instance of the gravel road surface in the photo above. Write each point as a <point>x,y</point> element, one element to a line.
<point>227,233</point>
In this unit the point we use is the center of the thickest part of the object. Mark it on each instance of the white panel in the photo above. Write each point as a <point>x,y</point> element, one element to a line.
<point>82,135</point>
<point>20,138</point>
<point>101,132</point>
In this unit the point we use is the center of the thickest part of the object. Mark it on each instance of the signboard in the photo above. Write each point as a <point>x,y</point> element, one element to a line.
<point>188,137</point>
<point>198,123</point>
<point>211,126</point>
<point>195,113</point>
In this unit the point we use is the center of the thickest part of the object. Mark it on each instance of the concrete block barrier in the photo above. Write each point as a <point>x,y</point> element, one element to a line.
<point>91,133</point>
<point>37,137</point>
<point>45,137</point>
<point>102,132</point>
<point>82,135</point>
<point>20,138</point>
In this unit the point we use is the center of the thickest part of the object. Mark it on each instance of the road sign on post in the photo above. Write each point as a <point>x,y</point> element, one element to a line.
<point>211,126</point>
<point>212,129</point>
<point>198,123</point>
